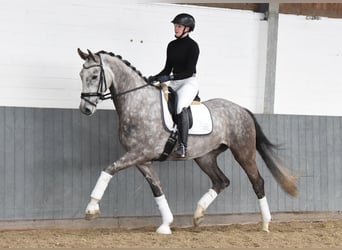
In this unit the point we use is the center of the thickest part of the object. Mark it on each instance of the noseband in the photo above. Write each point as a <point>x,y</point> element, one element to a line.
<point>103,87</point>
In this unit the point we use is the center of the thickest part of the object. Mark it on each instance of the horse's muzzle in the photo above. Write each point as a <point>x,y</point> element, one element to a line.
<point>87,109</point>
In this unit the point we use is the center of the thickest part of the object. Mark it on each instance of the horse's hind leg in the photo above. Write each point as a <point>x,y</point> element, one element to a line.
<point>208,163</point>
<point>246,157</point>
<point>154,182</point>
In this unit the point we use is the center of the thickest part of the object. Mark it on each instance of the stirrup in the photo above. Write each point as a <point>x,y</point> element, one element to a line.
<point>181,151</point>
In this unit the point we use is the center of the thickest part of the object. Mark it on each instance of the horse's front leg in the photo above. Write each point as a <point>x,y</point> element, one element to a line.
<point>127,160</point>
<point>163,206</point>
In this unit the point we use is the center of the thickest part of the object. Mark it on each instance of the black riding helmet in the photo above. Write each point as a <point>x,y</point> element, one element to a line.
<point>185,19</point>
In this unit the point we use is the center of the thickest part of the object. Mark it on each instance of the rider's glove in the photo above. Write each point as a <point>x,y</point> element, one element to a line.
<point>152,79</point>
<point>165,78</point>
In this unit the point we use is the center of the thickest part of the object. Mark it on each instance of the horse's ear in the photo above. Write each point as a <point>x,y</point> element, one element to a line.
<point>91,55</point>
<point>83,55</point>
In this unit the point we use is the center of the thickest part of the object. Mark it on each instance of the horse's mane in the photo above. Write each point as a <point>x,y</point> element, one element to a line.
<point>124,61</point>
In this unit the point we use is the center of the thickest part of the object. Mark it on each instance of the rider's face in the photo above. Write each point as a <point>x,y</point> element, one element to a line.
<point>180,30</point>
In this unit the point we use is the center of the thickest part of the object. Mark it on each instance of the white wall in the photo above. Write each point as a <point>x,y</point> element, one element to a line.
<point>40,66</point>
<point>309,66</point>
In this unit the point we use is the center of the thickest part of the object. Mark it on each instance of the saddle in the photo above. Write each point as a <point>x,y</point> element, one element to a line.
<point>172,106</point>
<point>200,122</point>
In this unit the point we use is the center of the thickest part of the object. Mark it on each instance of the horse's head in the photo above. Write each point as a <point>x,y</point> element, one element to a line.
<point>95,82</point>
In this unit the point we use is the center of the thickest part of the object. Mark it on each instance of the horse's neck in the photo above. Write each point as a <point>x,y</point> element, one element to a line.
<point>138,109</point>
<point>133,103</point>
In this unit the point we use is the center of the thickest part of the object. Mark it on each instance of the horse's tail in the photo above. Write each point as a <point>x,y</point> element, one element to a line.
<point>273,162</point>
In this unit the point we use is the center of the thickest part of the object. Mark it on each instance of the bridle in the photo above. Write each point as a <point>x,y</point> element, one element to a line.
<point>100,90</point>
<point>103,87</point>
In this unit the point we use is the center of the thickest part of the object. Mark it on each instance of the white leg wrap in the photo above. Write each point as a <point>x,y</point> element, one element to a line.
<point>207,199</point>
<point>166,214</point>
<point>164,209</point>
<point>265,213</point>
<point>101,186</point>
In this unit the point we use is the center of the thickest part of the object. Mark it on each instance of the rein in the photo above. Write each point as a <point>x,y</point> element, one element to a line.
<point>128,91</point>
<point>103,85</point>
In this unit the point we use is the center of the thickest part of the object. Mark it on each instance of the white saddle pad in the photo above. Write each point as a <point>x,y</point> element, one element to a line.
<point>202,122</point>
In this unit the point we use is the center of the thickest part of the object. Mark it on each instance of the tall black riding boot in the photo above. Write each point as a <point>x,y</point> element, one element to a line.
<point>183,130</point>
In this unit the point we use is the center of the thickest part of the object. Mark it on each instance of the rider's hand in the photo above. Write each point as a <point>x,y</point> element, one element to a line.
<point>152,79</point>
<point>165,78</point>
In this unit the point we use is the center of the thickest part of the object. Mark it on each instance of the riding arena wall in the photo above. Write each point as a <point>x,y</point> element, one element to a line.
<point>51,155</point>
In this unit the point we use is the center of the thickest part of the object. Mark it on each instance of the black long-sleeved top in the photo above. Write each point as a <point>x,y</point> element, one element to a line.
<point>181,60</point>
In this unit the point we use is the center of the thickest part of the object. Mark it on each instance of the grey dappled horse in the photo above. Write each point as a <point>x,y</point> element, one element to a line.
<point>143,136</point>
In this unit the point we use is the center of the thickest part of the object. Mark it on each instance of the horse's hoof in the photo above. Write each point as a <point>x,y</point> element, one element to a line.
<point>198,221</point>
<point>164,229</point>
<point>92,211</point>
<point>198,216</point>
<point>92,216</point>
<point>265,227</point>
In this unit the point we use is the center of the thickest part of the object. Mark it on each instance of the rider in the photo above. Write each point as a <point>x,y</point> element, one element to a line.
<point>180,72</point>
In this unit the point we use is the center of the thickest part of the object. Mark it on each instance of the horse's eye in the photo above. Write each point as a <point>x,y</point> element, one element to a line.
<point>94,77</point>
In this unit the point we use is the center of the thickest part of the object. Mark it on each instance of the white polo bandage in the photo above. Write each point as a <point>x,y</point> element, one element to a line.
<point>265,210</point>
<point>101,186</point>
<point>164,209</point>
<point>207,199</point>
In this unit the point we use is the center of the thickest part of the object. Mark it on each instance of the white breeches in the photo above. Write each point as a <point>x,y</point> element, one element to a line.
<point>187,90</point>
